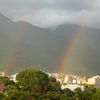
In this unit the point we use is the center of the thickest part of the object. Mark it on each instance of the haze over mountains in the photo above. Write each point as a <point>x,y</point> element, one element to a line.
<point>23,45</point>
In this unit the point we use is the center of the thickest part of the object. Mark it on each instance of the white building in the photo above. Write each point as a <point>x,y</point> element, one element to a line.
<point>94,80</point>
<point>72,86</point>
<point>73,79</point>
<point>57,76</point>
<point>13,77</point>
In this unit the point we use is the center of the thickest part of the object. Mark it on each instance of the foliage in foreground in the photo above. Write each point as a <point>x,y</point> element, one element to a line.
<point>36,85</point>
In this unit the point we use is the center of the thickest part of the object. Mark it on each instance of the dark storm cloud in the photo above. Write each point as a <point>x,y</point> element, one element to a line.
<point>52,12</point>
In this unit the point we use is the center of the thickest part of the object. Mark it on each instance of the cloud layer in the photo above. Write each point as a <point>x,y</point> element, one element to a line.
<point>47,13</point>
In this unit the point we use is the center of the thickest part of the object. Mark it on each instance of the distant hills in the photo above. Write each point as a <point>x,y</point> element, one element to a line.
<point>23,45</point>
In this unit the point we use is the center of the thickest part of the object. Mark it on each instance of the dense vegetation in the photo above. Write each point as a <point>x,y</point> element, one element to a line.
<point>36,85</point>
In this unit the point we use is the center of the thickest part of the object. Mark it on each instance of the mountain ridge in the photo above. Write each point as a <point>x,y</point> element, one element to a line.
<point>24,45</point>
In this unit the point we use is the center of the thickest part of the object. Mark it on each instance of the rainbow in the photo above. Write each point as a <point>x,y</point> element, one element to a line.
<point>70,48</point>
<point>68,52</point>
<point>8,62</point>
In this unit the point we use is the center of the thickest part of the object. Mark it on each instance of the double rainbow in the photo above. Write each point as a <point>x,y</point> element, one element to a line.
<point>70,48</point>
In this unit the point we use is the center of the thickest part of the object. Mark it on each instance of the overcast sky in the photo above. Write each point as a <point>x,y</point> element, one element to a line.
<point>47,13</point>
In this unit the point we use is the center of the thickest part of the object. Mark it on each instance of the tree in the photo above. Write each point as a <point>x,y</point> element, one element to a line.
<point>51,95</point>
<point>10,89</point>
<point>6,80</point>
<point>96,96</point>
<point>53,85</point>
<point>33,80</point>
<point>88,93</point>
<point>78,94</point>
<point>1,96</point>
<point>20,95</point>
<point>30,85</point>
<point>68,92</point>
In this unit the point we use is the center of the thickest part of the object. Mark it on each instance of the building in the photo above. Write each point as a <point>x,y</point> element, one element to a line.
<point>13,77</point>
<point>95,80</point>
<point>4,74</point>
<point>73,79</point>
<point>81,80</point>
<point>58,77</point>
<point>72,86</point>
<point>2,87</point>
<point>68,79</point>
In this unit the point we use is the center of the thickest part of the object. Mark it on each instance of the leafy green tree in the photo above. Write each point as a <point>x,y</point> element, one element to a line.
<point>78,94</point>
<point>1,96</point>
<point>10,89</point>
<point>88,93</point>
<point>33,80</point>
<point>64,97</point>
<point>6,80</point>
<point>53,85</point>
<point>96,96</point>
<point>51,95</point>
<point>20,95</point>
<point>68,92</point>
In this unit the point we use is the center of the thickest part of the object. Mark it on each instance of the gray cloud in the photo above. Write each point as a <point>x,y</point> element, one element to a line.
<point>46,13</point>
